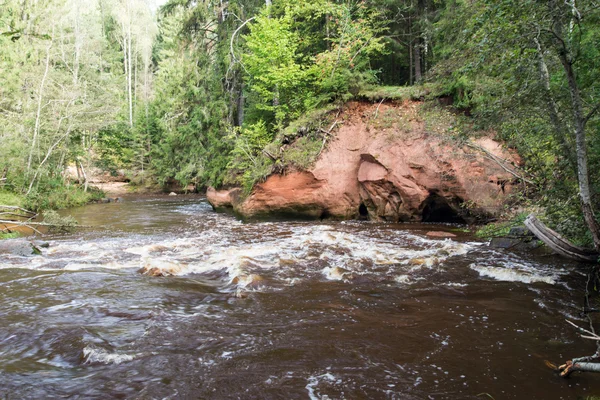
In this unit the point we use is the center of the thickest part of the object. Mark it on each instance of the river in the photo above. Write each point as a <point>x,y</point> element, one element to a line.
<point>282,310</point>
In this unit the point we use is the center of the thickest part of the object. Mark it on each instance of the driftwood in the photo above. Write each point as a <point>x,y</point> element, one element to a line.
<point>583,364</point>
<point>13,217</point>
<point>558,243</point>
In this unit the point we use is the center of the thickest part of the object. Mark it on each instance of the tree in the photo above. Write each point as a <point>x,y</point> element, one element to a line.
<point>525,67</point>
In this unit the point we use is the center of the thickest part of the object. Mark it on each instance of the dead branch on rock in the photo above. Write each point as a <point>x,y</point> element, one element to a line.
<point>501,162</point>
<point>268,154</point>
<point>377,110</point>
<point>328,132</point>
<point>326,136</point>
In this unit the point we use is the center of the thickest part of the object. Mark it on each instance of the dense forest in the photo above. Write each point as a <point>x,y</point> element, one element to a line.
<point>208,92</point>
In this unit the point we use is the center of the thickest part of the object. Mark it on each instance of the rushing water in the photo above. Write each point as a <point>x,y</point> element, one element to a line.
<point>286,310</point>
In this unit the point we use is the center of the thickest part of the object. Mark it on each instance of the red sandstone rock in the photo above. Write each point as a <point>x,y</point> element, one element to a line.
<point>394,174</point>
<point>222,198</point>
<point>440,234</point>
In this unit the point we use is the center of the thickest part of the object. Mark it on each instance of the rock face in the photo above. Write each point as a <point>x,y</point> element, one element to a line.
<point>401,172</point>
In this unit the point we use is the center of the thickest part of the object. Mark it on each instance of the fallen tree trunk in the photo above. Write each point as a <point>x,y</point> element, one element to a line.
<point>17,212</point>
<point>558,243</point>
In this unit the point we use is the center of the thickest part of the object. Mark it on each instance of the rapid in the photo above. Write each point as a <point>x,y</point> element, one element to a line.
<point>282,310</point>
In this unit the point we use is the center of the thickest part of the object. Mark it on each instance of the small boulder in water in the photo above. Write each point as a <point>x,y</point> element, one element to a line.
<point>172,194</point>
<point>440,234</point>
<point>335,273</point>
<point>248,281</point>
<point>520,231</point>
<point>158,268</point>
<point>442,253</point>
<point>504,242</point>
<point>41,244</point>
<point>19,247</point>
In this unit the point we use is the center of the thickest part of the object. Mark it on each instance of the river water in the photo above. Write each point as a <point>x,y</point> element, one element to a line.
<point>282,310</point>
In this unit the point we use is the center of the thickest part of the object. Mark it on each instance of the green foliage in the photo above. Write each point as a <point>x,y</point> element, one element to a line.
<point>9,235</point>
<point>61,93</point>
<point>59,224</point>
<point>499,229</point>
<point>183,132</point>
<point>291,71</point>
<point>115,147</point>
<point>211,108</point>
<point>440,121</point>
<point>55,195</point>
<point>398,93</point>
<point>564,215</point>
<point>303,153</point>
<point>277,79</point>
<point>249,163</point>
<point>10,198</point>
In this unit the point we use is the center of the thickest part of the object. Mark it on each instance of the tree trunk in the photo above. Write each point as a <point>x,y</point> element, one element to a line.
<point>240,106</point>
<point>78,40</point>
<point>559,127</point>
<point>129,60</point>
<point>125,63</point>
<point>417,61</point>
<point>38,113</point>
<point>410,54</point>
<point>581,149</point>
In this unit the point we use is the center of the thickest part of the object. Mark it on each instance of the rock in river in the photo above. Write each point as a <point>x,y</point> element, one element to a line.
<point>18,247</point>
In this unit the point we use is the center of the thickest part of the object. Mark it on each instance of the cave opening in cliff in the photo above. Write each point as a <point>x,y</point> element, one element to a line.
<point>437,209</point>
<point>363,212</point>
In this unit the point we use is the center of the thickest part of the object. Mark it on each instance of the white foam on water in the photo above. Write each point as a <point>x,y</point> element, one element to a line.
<point>93,355</point>
<point>285,255</point>
<point>289,258</point>
<point>455,284</point>
<point>334,273</point>
<point>518,272</point>
<point>71,305</point>
<point>78,266</point>
<point>313,382</point>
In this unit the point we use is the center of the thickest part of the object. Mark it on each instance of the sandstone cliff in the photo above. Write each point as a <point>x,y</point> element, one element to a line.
<point>385,162</point>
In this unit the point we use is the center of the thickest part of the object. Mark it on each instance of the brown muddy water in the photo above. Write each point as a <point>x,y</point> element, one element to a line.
<point>285,310</point>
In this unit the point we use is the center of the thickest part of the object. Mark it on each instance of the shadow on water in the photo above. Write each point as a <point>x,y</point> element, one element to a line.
<point>322,309</point>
